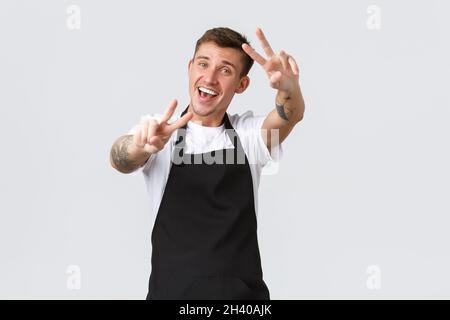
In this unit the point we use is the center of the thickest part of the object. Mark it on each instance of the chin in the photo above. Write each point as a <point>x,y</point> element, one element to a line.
<point>203,110</point>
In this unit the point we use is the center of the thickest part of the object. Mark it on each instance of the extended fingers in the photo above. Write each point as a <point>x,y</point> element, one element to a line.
<point>169,111</point>
<point>180,122</point>
<point>264,43</point>
<point>253,54</point>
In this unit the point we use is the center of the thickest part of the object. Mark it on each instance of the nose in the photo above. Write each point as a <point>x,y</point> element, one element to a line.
<point>210,76</point>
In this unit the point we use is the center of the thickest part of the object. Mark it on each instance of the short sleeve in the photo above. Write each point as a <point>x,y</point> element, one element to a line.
<point>251,127</point>
<point>266,156</point>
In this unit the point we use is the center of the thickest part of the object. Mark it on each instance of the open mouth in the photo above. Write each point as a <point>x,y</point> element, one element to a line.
<point>206,94</point>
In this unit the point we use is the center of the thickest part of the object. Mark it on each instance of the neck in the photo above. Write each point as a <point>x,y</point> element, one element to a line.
<point>211,120</point>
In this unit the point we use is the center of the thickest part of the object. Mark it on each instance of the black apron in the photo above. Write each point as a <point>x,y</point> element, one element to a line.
<point>204,240</point>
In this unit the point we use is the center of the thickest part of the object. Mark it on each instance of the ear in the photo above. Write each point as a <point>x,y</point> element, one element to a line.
<point>243,84</point>
<point>189,64</point>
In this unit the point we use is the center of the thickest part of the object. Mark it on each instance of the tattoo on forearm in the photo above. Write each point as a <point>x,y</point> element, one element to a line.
<point>281,109</point>
<point>120,156</point>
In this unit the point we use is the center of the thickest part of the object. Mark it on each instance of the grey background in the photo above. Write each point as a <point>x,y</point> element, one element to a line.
<point>365,176</point>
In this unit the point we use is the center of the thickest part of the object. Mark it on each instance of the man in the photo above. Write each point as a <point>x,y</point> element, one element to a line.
<point>204,239</point>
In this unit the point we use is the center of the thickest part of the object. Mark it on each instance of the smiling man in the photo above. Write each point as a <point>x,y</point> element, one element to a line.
<point>204,238</point>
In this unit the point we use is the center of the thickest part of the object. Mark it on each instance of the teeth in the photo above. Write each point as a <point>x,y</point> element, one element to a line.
<point>208,91</point>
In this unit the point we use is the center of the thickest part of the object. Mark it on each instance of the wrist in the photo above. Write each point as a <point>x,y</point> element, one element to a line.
<point>289,94</point>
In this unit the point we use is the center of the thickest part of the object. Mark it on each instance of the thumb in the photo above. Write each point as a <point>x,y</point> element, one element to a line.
<point>275,78</point>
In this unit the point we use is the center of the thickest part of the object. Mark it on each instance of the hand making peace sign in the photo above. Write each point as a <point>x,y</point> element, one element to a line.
<point>152,135</point>
<point>281,68</point>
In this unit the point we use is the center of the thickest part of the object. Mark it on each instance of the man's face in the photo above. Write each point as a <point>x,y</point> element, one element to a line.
<point>217,71</point>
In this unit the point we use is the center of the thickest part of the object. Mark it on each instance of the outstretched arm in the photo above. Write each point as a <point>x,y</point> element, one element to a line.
<point>130,152</point>
<point>283,74</point>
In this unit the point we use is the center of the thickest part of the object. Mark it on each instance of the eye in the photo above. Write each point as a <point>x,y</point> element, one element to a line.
<point>227,71</point>
<point>202,64</point>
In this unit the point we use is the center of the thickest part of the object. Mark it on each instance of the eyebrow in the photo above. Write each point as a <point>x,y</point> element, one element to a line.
<point>223,61</point>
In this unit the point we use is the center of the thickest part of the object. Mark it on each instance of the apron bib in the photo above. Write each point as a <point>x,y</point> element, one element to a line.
<point>204,241</point>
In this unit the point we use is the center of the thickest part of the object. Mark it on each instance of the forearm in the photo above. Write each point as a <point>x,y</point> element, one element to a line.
<point>290,105</point>
<point>125,156</point>
<point>287,113</point>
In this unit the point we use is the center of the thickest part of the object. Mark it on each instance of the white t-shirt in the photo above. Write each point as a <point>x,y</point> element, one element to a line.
<point>201,139</point>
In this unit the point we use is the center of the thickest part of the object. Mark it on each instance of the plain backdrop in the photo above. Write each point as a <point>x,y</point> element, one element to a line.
<point>363,185</point>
